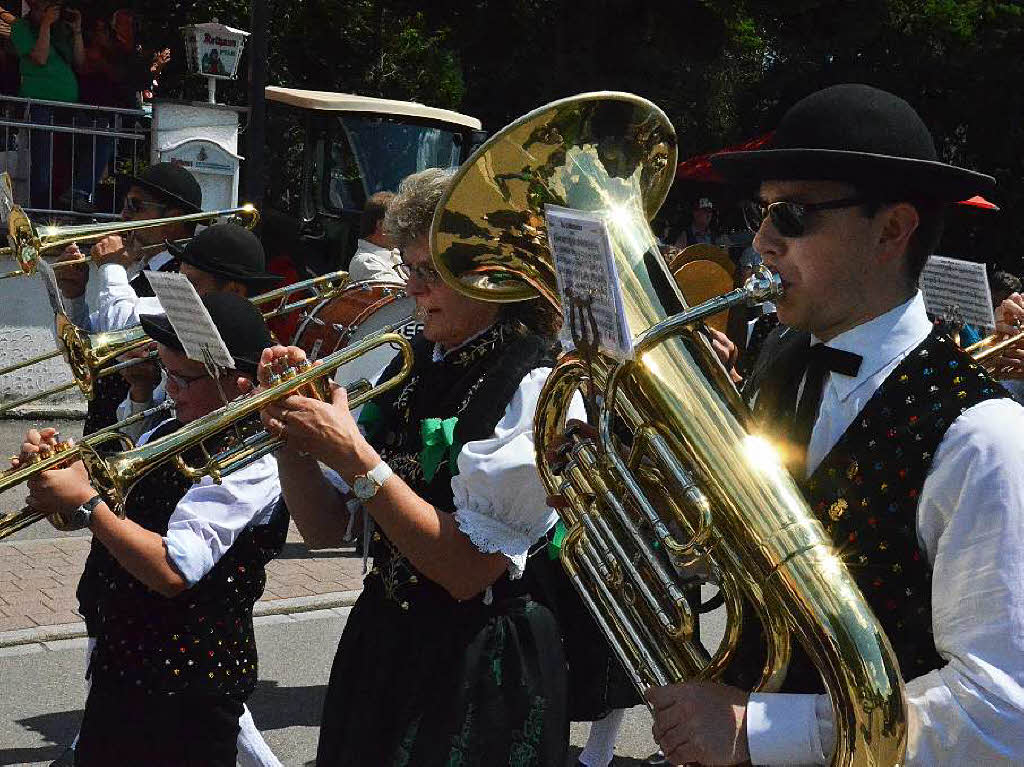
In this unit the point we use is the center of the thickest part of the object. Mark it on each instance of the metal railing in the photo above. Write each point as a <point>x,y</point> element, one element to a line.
<point>63,156</point>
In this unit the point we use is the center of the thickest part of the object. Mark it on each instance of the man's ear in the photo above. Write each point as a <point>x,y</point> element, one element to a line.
<point>898,226</point>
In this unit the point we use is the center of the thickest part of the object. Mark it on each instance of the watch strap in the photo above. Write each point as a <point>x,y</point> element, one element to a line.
<point>92,503</point>
<point>380,473</point>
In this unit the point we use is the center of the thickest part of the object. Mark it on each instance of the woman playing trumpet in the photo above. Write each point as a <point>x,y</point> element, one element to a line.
<point>446,657</point>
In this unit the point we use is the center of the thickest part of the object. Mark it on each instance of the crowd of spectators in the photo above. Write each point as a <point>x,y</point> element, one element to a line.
<point>55,52</point>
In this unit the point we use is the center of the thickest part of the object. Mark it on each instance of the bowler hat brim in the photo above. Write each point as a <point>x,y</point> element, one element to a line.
<point>168,197</point>
<point>224,271</point>
<point>927,178</point>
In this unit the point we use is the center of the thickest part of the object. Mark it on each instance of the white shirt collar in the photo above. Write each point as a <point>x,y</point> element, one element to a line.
<point>157,261</point>
<point>881,340</point>
<point>365,246</point>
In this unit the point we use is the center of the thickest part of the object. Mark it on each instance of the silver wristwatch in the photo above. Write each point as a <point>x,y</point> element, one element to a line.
<point>82,516</point>
<point>365,486</point>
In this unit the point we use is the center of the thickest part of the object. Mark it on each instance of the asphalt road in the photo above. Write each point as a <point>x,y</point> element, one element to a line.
<point>44,692</point>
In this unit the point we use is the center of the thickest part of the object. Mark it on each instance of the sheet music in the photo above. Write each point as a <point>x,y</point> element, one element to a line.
<point>191,321</point>
<point>953,287</point>
<point>588,281</point>
<point>50,283</point>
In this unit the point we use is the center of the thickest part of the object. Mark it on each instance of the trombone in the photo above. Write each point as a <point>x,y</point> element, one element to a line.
<point>114,476</point>
<point>89,354</point>
<point>63,452</point>
<point>27,242</point>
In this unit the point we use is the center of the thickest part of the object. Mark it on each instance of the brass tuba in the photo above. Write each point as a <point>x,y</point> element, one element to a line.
<point>673,483</point>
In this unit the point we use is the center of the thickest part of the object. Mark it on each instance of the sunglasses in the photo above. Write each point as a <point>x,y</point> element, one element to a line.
<point>790,218</point>
<point>426,274</point>
<point>137,205</point>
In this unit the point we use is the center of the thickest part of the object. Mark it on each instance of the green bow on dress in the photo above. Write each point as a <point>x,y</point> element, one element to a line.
<point>438,438</point>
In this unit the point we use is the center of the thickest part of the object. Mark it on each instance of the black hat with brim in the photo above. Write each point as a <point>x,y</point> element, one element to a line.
<point>238,321</point>
<point>856,134</point>
<point>171,184</point>
<point>228,251</point>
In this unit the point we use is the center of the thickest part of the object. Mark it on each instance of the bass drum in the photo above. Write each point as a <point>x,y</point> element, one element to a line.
<point>364,308</point>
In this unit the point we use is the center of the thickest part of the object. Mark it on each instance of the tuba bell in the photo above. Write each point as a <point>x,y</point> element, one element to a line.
<point>670,484</point>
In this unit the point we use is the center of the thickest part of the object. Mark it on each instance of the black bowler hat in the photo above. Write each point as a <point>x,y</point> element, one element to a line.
<point>857,134</point>
<point>227,250</point>
<point>171,184</point>
<point>238,321</point>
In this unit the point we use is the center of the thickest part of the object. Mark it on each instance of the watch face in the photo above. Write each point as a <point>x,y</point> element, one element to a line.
<point>364,487</point>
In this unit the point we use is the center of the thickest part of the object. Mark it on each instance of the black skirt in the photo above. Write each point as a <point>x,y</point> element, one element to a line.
<point>441,682</point>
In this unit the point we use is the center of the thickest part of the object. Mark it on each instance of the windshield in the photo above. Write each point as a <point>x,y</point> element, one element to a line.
<point>370,153</point>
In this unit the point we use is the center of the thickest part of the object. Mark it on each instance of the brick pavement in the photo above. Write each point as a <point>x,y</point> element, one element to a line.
<point>38,578</point>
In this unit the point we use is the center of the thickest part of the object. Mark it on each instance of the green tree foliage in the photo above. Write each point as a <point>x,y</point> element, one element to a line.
<point>723,70</point>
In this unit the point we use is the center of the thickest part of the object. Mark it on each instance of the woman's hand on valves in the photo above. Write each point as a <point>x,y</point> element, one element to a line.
<point>322,429</point>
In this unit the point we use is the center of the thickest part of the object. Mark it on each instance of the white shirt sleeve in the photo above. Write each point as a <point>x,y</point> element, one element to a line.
<point>970,522</point>
<point>115,299</point>
<point>129,407</point>
<point>499,498</point>
<point>210,517</point>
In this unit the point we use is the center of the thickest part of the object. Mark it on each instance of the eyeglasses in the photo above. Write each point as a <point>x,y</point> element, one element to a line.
<point>789,218</point>
<point>180,382</point>
<point>137,205</point>
<point>425,273</point>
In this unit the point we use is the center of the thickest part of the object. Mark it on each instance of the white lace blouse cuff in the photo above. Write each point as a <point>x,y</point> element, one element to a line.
<point>494,537</point>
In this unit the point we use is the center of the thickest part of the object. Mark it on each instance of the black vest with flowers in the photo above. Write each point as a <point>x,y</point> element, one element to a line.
<point>419,429</point>
<point>866,491</point>
<point>200,641</point>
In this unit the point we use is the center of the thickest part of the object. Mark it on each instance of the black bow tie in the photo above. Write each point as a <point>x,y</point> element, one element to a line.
<point>836,360</point>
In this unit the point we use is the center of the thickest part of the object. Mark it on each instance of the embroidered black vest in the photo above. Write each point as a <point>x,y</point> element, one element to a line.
<point>111,390</point>
<point>199,641</point>
<point>866,491</point>
<point>474,383</point>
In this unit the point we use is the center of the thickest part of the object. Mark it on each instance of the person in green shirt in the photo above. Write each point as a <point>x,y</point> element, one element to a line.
<point>49,46</point>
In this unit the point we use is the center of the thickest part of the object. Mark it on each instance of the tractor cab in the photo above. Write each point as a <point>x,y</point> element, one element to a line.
<point>330,151</point>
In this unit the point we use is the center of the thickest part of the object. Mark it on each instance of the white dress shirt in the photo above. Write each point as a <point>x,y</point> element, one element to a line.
<point>210,517</point>
<point>372,262</point>
<point>970,524</point>
<point>119,306</point>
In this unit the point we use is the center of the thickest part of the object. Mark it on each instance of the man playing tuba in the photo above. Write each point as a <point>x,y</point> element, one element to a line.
<point>908,453</point>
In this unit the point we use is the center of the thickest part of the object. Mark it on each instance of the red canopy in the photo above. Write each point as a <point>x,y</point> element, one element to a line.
<point>699,168</point>
<point>981,203</point>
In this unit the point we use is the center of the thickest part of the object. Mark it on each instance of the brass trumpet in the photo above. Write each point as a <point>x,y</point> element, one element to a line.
<point>89,355</point>
<point>986,351</point>
<point>115,475</point>
<point>63,452</point>
<point>27,242</point>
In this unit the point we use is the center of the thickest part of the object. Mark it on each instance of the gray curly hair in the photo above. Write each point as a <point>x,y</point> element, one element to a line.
<point>410,213</point>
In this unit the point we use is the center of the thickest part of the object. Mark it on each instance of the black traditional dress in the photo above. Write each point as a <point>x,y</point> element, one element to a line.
<point>423,679</point>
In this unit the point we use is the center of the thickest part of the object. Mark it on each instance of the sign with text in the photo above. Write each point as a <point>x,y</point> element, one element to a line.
<point>214,49</point>
<point>190,319</point>
<point>957,289</point>
<point>588,283</point>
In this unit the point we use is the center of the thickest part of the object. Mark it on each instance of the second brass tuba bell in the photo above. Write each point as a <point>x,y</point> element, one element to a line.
<point>674,485</point>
